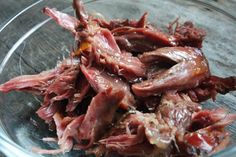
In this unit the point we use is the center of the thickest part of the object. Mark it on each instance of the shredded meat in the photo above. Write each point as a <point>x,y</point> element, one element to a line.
<point>129,89</point>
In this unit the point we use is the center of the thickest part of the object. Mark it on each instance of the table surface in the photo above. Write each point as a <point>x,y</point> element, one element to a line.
<point>10,8</point>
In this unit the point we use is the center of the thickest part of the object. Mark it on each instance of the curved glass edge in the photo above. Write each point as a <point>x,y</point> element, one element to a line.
<point>11,149</point>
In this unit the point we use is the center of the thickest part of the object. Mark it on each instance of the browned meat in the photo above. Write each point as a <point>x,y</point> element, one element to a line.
<point>211,86</point>
<point>155,36</point>
<point>162,117</point>
<point>187,34</point>
<point>100,81</point>
<point>190,70</point>
<point>113,24</point>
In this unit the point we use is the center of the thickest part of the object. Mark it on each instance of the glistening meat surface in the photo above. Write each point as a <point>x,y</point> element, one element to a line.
<point>129,89</point>
<point>190,69</point>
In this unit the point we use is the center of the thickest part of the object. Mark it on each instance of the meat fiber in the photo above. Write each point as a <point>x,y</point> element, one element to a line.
<point>187,34</point>
<point>108,54</point>
<point>68,22</point>
<point>138,130</point>
<point>100,81</point>
<point>99,116</point>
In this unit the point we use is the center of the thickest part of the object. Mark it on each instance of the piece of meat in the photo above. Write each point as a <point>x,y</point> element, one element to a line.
<point>190,70</point>
<point>70,131</point>
<point>99,116</point>
<point>46,112</point>
<point>37,84</point>
<point>81,90</point>
<point>138,130</point>
<point>207,140</point>
<point>157,37</point>
<point>113,24</point>
<point>80,11</point>
<point>108,54</point>
<point>187,34</point>
<point>61,89</point>
<point>66,21</point>
<point>104,46</point>
<point>61,123</point>
<point>136,43</point>
<point>176,110</point>
<point>205,118</point>
<point>211,86</point>
<point>101,81</point>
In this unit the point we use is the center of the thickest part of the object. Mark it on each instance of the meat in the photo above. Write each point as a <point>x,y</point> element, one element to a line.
<point>211,86</point>
<point>105,49</point>
<point>190,70</point>
<point>187,34</point>
<point>129,89</point>
<point>62,88</point>
<point>208,139</point>
<point>68,22</point>
<point>81,90</point>
<point>81,13</point>
<point>101,81</point>
<point>38,83</point>
<point>108,54</point>
<point>99,116</point>
<point>138,131</point>
<point>177,110</point>
<point>113,24</point>
<point>141,39</point>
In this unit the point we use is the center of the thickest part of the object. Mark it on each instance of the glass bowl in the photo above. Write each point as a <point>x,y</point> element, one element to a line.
<point>31,43</point>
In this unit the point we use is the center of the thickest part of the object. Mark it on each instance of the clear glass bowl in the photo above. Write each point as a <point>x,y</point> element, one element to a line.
<point>31,43</point>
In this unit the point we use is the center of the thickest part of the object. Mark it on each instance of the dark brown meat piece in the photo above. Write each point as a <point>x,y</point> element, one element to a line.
<point>211,86</point>
<point>140,39</point>
<point>190,70</point>
<point>187,34</point>
<point>113,24</point>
